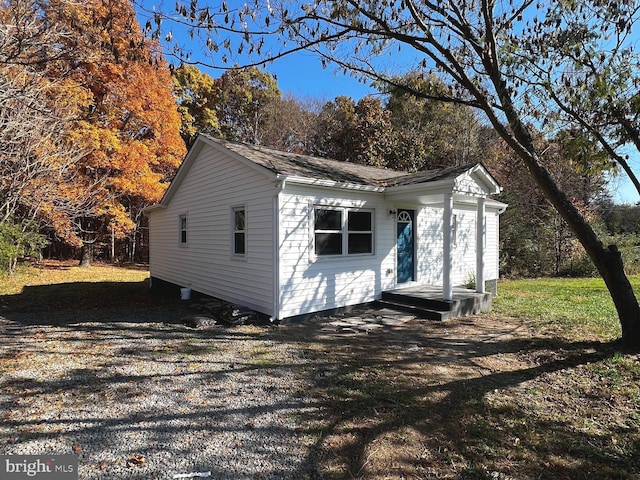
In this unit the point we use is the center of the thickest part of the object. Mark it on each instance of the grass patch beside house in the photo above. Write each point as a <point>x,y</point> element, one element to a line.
<point>573,308</point>
<point>55,273</point>
<point>64,285</point>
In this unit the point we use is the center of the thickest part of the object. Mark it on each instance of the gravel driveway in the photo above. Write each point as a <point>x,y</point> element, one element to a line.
<point>136,397</point>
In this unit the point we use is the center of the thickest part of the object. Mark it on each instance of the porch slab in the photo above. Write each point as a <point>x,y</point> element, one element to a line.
<point>427,301</point>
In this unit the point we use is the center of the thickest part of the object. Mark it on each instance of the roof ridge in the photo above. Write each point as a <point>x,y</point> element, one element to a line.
<point>341,171</point>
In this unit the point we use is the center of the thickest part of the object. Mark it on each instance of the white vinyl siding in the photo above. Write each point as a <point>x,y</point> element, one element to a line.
<point>429,245</point>
<point>213,186</point>
<point>492,245</point>
<point>311,283</point>
<point>464,250</point>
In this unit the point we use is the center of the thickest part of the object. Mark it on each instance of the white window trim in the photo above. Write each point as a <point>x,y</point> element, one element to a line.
<point>344,232</point>
<point>232,240</point>
<point>186,230</point>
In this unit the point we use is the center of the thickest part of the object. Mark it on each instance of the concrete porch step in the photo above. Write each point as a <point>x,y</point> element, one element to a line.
<point>418,300</point>
<point>418,311</point>
<point>428,302</point>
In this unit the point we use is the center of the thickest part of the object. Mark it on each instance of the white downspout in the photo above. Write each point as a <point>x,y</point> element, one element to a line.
<point>480,247</point>
<point>447,261</point>
<point>281,181</point>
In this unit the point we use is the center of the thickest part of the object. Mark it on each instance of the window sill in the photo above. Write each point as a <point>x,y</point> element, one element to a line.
<point>341,258</point>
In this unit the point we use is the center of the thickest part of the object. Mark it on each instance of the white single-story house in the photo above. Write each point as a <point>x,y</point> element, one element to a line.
<point>289,235</point>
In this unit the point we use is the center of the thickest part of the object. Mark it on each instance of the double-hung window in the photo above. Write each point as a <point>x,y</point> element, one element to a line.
<point>343,231</point>
<point>182,229</point>
<point>328,231</point>
<point>239,241</point>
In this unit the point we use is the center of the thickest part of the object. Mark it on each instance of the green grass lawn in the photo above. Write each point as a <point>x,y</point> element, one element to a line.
<point>65,285</point>
<point>573,308</point>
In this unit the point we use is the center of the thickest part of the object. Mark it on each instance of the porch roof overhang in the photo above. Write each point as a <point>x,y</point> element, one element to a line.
<point>466,188</point>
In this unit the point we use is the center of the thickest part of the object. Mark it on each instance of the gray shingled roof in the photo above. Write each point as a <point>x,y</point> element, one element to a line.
<point>293,164</point>
<point>429,175</point>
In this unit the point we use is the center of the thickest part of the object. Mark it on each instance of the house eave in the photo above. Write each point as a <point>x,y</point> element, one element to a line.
<point>314,182</point>
<point>151,208</point>
<point>431,192</point>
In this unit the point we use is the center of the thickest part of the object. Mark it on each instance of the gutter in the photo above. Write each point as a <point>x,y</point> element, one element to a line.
<point>151,208</point>
<point>421,187</point>
<point>500,206</point>
<point>331,184</point>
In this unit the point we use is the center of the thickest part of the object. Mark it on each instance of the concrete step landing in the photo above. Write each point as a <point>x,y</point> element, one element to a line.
<point>428,302</point>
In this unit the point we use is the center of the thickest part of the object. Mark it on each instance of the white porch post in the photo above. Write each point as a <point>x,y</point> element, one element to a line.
<point>480,228</point>
<point>447,261</point>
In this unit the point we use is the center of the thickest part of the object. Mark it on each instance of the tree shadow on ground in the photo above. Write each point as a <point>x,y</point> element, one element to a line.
<point>460,400</point>
<point>479,398</point>
<point>54,304</point>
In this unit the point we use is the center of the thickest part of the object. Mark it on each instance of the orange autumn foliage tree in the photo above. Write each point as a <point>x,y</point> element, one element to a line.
<point>131,127</point>
<point>37,113</point>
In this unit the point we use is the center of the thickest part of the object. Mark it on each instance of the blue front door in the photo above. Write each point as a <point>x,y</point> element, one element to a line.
<point>406,243</point>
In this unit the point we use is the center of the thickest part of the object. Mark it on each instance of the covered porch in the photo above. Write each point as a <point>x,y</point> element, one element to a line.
<point>469,188</point>
<point>430,302</point>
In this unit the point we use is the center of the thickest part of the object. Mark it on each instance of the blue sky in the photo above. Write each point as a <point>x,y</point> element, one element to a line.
<point>302,75</point>
<point>621,187</point>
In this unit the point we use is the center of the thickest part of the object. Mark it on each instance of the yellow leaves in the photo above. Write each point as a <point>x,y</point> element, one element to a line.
<point>120,223</point>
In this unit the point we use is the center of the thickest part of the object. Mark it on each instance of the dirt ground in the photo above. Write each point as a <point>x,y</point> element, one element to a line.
<point>482,397</point>
<point>477,397</point>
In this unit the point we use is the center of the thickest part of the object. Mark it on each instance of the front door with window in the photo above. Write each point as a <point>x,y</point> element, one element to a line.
<point>406,242</point>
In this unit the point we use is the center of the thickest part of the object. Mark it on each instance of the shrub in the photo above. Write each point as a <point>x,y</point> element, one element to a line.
<point>18,241</point>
